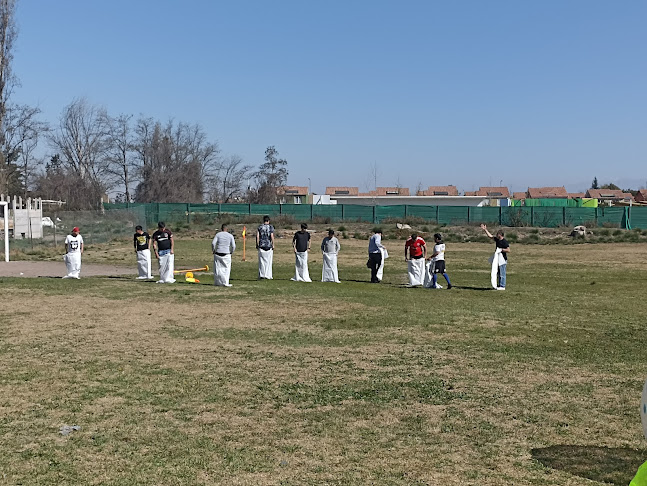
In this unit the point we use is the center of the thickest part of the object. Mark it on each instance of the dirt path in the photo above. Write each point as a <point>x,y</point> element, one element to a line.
<point>57,269</point>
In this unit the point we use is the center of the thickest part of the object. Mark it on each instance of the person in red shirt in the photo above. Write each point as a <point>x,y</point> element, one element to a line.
<point>415,252</point>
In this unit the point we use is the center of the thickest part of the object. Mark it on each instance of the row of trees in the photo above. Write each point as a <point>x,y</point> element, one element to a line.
<point>92,153</point>
<point>142,160</point>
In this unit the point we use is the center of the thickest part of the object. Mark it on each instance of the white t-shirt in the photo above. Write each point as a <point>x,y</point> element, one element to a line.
<point>74,243</point>
<point>440,249</point>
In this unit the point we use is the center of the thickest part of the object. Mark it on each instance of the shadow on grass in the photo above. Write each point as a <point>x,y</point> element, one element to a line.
<point>604,464</point>
<point>467,287</point>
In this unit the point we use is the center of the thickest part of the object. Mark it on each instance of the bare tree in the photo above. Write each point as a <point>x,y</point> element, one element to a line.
<point>119,152</point>
<point>8,34</point>
<point>81,139</point>
<point>175,161</point>
<point>228,182</point>
<point>22,130</point>
<point>271,175</point>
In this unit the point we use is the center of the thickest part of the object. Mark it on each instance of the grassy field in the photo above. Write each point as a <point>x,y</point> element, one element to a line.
<point>277,382</point>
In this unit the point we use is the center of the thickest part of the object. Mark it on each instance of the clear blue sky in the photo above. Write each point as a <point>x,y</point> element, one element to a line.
<point>550,92</point>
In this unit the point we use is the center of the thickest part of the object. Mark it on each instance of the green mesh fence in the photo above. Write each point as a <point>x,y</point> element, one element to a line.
<point>389,212</point>
<point>265,209</point>
<point>333,212</point>
<point>429,213</point>
<point>579,216</point>
<point>613,217</point>
<point>452,214</point>
<point>300,212</point>
<point>540,216</point>
<point>638,217</point>
<point>516,216</point>
<point>484,215</point>
<point>353,212</point>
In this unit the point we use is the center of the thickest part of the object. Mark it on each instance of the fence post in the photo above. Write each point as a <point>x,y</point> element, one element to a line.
<point>405,211</point>
<point>468,215</point>
<point>280,208</point>
<point>532,216</point>
<point>342,212</point>
<point>374,222</point>
<point>437,207</point>
<point>500,216</point>
<point>188,213</point>
<point>311,212</point>
<point>219,209</point>
<point>564,216</point>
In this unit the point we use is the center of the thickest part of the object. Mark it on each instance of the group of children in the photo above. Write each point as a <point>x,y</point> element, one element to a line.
<point>423,270</point>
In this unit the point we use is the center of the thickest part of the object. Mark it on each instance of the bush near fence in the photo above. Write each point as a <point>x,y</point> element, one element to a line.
<point>537,216</point>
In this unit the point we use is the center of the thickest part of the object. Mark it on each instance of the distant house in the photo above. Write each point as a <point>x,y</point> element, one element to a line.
<point>387,191</point>
<point>491,192</point>
<point>342,191</point>
<point>547,193</point>
<point>292,194</point>
<point>519,195</point>
<point>439,191</point>
<point>610,195</point>
<point>641,196</point>
<point>576,195</point>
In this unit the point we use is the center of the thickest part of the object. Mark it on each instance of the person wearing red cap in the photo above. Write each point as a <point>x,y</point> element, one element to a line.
<point>73,252</point>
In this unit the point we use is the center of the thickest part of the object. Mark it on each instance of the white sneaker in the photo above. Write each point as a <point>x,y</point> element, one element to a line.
<point>500,288</point>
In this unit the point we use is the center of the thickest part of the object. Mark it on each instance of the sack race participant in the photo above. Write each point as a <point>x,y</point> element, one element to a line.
<point>265,247</point>
<point>437,263</point>
<point>73,252</point>
<point>223,245</point>
<point>142,240</point>
<point>301,246</point>
<point>499,260</point>
<point>415,252</point>
<point>164,245</point>
<point>376,256</point>
<point>330,249</point>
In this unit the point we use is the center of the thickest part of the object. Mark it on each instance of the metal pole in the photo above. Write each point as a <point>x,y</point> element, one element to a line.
<point>5,205</point>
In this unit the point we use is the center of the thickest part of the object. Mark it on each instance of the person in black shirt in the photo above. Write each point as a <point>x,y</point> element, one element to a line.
<point>141,240</point>
<point>164,246</point>
<point>301,245</point>
<point>500,244</point>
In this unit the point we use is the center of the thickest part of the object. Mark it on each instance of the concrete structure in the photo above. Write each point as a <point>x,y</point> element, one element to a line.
<point>25,217</point>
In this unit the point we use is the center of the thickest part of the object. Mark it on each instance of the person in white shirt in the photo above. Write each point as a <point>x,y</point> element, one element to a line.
<point>438,262</point>
<point>222,246</point>
<point>73,252</point>
<point>330,249</point>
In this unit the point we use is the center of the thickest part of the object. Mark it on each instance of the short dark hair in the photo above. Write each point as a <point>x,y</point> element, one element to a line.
<point>414,236</point>
<point>138,227</point>
<point>377,230</point>
<point>224,226</point>
<point>438,236</point>
<point>304,226</point>
<point>331,232</point>
<point>266,219</point>
<point>500,232</point>
<point>161,224</point>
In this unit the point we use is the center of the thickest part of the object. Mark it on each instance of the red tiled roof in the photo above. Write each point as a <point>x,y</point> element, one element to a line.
<point>547,192</point>
<point>493,192</point>
<point>576,195</point>
<point>439,191</point>
<point>642,195</point>
<point>292,190</point>
<point>608,194</point>
<point>519,195</point>
<point>342,191</point>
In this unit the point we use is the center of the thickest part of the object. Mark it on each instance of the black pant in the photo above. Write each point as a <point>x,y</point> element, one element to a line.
<point>375,260</point>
